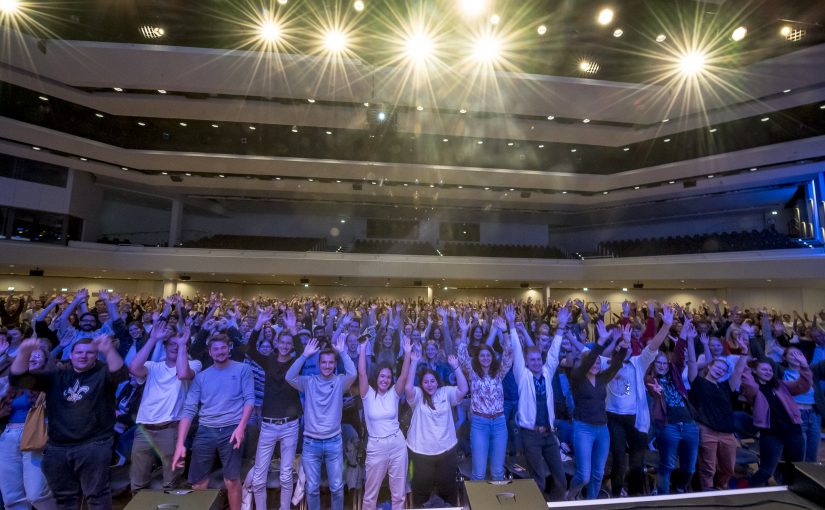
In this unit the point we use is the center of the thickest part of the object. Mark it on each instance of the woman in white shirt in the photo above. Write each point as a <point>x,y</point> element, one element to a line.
<point>386,447</point>
<point>431,438</point>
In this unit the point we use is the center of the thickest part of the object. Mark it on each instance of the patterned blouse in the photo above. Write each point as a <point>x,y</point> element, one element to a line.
<point>486,393</point>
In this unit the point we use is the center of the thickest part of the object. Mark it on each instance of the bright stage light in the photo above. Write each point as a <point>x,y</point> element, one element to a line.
<point>618,32</point>
<point>487,48</point>
<point>605,16</point>
<point>692,63</point>
<point>335,41</point>
<point>270,31</point>
<point>739,34</point>
<point>473,8</point>
<point>588,67</point>
<point>541,30</point>
<point>418,47</point>
<point>358,5</point>
<point>786,31</point>
<point>9,6</point>
<point>661,38</point>
<point>494,19</point>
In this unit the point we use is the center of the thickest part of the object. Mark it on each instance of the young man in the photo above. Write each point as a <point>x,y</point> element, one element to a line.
<point>225,393</point>
<point>279,414</point>
<point>81,403</point>
<point>536,408</point>
<point>162,403</point>
<point>322,419</point>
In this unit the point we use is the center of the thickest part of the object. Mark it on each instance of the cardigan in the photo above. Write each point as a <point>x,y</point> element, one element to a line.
<point>785,391</point>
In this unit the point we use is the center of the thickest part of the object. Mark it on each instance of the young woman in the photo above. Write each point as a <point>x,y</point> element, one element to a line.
<point>677,435</point>
<point>777,416</point>
<point>386,446</point>
<point>591,439</point>
<point>22,483</point>
<point>811,421</point>
<point>711,398</point>
<point>432,359</point>
<point>431,437</point>
<point>488,428</point>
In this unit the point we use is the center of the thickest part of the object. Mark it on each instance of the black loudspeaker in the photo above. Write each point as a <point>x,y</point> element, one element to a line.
<point>176,500</point>
<point>512,494</point>
<point>809,481</point>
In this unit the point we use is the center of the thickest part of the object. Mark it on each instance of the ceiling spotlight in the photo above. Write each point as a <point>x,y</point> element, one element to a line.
<point>739,33</point>
<point>36,148</point>
<point>487,48</point>
<point>636,187</point>
<point>418,47</point>
<point>626,149</point>
<point>9,6</point>
<point>161,91</point>
<point>183,124</point>
<point>494,19</point>
<point>541,30</point>
<point>366,104</point>
<point>282,2</point>
<point>572,150</point>
<point>335,41</point>
<point>765,119</point>
<point>586,121</point>
<point>785,31</point>
<point>541,146</point>
<point>214,125</point>
<point>462,111</point>
<point>473,8</point>
<point>141,124</point>
<point>328,132</point>
<point>310,100</point>
<point>358,5</point>
<point>661,38</point>
<point>671,182</point>
<point>786,91</point>
<point>692,63</point>
<point>711,176</point>
<point>445,140</point>
<point>480,142</point>
<point>712,130</point>
<point>618,32</point>
<point>99,115</point>
<point>665,120</point>
<point>588,67</point>
<point>294,129</point>
<point>604,192</point>
<point>605,17</point>
<point>419,108</point>
<point>43,98</point>
<point>270,31</point>
<point>563,192</point>
<point>666,140</point>
<point>118,89</point>
<point>150,32</point>
<point>252,128</point>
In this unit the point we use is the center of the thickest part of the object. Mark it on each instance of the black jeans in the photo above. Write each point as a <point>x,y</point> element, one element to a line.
<point>75,471</point>
<point>772,449</point>
<point>626,441</point>
<point>543,455</point>
<point>439,470</point>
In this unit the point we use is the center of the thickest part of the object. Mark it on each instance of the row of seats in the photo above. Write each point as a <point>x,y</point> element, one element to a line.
<point>502,250</point>
<point>238,242</point>
<point>704,243</point>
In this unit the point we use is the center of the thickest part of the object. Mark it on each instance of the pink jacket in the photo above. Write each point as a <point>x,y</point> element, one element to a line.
<point>784,391</point>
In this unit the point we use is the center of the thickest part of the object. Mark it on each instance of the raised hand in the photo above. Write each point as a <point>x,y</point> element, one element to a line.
<point>667,314</point>
<point>602,331</point>
<point>311,347</point>
<point>103,343</point>
<point>626,308</point>
<point>407,343</point>
<point>452,359</point>
<point>563,316</point>
<point>82,294</point>
<point>463,324</point>
<point>605,307</point>
<point>626,333</point>
<point>797,355</point>
<point>510,314</point>
<point>499,324</point>
<point>182,338</point>
<point>340,343</point>
<point>103,294</point>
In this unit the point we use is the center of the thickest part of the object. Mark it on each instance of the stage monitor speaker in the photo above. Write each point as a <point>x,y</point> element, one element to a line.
<point>514,494</point>
<point>809,481</point>
<point>176,500</point>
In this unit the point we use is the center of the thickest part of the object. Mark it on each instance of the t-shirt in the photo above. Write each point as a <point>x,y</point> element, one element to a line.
<point>713,405</point>
<point>432,431</point>
<point>163,393</point>
<point>381,412</point>
<point>81,405</point>
<point>222,393</point>
<point>621,391</point>
<point>280,399</point>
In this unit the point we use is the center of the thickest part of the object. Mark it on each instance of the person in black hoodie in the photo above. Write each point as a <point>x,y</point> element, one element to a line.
<point>80,398</point>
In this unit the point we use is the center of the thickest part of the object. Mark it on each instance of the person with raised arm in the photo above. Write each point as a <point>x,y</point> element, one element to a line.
<point>162,402</point>
<point>386,445</point>
<point>431,437</point>
<point>536,408</point>
<point>88,325</point>
<point>712,401</point>
<point>628,414</point>
<point>280,412</point>
<point>223,396</point>
<point>591,439</point>
<point>80,398</point>
<point>322,418</point>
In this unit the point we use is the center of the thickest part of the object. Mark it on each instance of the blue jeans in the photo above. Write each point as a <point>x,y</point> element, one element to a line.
<point>21,479</point>
<point>488,440</point>
<point>591,444</point>
<point>811,429</point>
<point>330,452</point>
<point>677,439</point>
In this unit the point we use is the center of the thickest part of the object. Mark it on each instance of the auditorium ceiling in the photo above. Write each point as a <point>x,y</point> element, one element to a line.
<point>505,105</point>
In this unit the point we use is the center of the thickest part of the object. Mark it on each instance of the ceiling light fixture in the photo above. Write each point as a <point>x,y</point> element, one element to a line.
<point>99,115</point>
<point>358,5</point>
<point>43,98</point>
<point>270,31</point>
<point>618,32</point>
<point>214,125</point>
<point>605,17</point>
<point>141,124</point>
<point>161,91</point>
<point>151,32</point>
<point>586,121</point>
<point>472,8</point>
<point>118,89</point>
<point>494,19</point>
<point>661,38</point>
<point>541,30</point>
<point>83,159</point>
<point>739,33</point>
<point>692,63</point>
<point>335,41</point>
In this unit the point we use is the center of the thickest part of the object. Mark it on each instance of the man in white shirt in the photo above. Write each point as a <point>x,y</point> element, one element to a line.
<point>160,408</point>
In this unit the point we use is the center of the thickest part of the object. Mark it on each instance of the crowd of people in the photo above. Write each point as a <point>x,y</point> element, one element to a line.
<point>410,391</point>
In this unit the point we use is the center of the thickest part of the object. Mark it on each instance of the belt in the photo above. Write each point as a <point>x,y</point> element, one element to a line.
<point>488,416</point>
<point>539,430</point>
<point>159,426</point>
<point>279,421</point>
